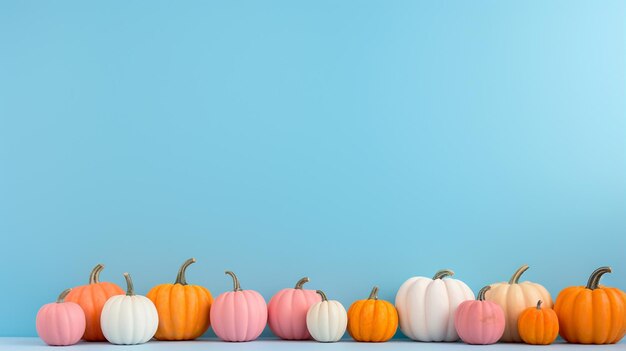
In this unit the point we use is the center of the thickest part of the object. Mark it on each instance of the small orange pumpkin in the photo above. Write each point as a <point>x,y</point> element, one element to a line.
<point>91,298</point>
<point>538,326</point>
<point>183,309</point>
<point>592,314</point>
<point>372,320</point>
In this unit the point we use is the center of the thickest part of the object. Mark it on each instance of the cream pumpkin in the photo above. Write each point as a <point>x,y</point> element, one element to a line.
<point>514,297</point>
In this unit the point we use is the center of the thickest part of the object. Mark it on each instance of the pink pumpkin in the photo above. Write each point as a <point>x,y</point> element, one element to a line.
<point>479,322</point>
<point>61,323</point>
<point>238,315</point>
<point>287,311</point>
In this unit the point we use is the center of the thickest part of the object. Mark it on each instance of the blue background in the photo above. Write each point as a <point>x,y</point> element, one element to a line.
<point>356,142</point>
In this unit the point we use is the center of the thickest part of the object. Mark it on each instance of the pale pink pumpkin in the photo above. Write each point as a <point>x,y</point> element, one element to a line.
<point>238,315</point>
<point>61,323</point>
<point>479,322</point>
<point>287,311</point>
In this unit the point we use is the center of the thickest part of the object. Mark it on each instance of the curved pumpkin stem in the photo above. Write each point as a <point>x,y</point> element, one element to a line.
<point>324,298</point>
<point>539,304</point>
<point>443,273</point>
<point>62,296</point>
<point>236,286</point>
<point>130,289</point>
<point>180,278</point>
<point>374,294</point>
<point>594,279</point>
<point>301,282</point>
<point>518,273</point>
<point>481,293</point>
<point>94,277</point>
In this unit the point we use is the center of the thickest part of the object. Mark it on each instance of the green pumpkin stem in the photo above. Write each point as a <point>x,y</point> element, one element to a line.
<point>324,298</point>
<point>236,286</point>
<point>94,277</point>
<point>62,295</point>
<point>481,293</point>
<point>301,282</point>
<point>594,279</point>
<point>518,273</point>
<point>180,278</point>
<point>373,294</point>
<point>443,273</point>
<point>130,289</point>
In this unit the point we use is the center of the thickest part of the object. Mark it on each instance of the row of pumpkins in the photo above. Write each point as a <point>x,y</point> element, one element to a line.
<point>437,309</point>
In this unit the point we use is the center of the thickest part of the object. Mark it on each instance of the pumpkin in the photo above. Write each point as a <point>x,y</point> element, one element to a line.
<point>129,319</point>
<point>372,320</point>
<point>538,326</point>
<point>238,315</point>
<point>592,314</point>
<point>91,298</point>
<point>183,309</point>
<point>514,297</point>
<point>287,311</point>
<point>426,306</point>
<point>326,320</point>
<point>479,322</point>
<point>61,323</point>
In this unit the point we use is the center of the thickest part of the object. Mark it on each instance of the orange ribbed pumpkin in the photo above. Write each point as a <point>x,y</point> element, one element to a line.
<point>91,298</point>
<point>372,320</point>
<point>538,326</point>
<point>592,314</point>
<point>183,309</point>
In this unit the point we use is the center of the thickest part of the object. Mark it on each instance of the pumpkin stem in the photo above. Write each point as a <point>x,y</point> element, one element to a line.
<point>594,279</point>
<point>62,296</point>
<point>374,294</point>
<point>180,278</point>
<point>481,293</point>
<point>539,304</point>
<point>301,282</point>
<point>236,286</point>
<point>94,277</point>
<point>443,273</point>
<point>130,290</point>
<point>324,298</point>
<point>518,273</point>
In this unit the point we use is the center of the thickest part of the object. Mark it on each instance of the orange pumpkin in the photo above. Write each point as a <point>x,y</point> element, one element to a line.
<point>538,326</point>
<point>592,314</point>
<point>91,298</point>
<point>183,309</point>
<point>372,320</point>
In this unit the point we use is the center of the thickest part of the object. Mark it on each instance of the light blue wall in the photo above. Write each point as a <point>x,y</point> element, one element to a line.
<point>356,142</point>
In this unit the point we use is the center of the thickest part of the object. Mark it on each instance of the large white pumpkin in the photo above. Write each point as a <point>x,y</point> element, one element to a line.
<point>129,319</point>
<point>514,297</point>
<point>326,320</point>
<point>426,306</point>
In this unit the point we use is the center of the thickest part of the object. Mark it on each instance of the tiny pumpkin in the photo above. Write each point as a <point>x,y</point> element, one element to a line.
<point>538,326</point>
<point>479,322</point>
<point>327,320</point>
<point>61,323</point>
<point>592,314</point>
<point>372,320</point>
<point>91,298</point>
<point>183,309</point>
<point>287,311</point>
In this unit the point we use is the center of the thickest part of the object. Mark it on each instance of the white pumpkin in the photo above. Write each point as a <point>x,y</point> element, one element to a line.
<point>129,319</point>
<point>514,297</point>
<point>426,306</point>
<point>326,320</point>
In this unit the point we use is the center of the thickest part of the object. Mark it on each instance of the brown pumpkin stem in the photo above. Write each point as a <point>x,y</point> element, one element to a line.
<point>481,293</point>
<point>180,278</point>
<point>594,279</point>
<point>518,273</point>
<point>236,286</point>
<point>62,295</point>
<point>130,289</point>
<point>539,304</point>
<point>324,298</point>
<point>301,282</point>
<point>94,277</point>
<point>374,294</point>
<point>443,273</point>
